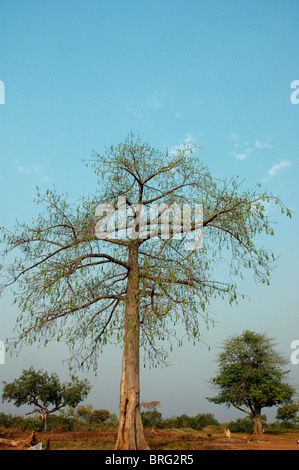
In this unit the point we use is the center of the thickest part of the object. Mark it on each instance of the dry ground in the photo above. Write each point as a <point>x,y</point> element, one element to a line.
<point>172,439</point>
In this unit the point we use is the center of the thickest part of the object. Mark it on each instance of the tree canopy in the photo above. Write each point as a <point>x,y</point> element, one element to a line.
<point>288,413</point>
<point>70,285</point>
<point>251,377</point>
<point>136,284</point>
<point>45,392</point>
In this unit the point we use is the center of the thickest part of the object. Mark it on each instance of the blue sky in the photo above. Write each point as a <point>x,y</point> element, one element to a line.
<point>80,75</point>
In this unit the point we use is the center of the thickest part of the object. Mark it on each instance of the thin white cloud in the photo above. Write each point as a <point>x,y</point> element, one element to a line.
<point>139,108</point>
<point>278,167</point>
<point>264,145</point>
<point>239,156</point>
<point>234,137</point>
<point>33,169</point>
<point>189,139</point>
<point>155,101</point>
<point>21,169</point>
<point>133,111</point>
<point>242,149</point>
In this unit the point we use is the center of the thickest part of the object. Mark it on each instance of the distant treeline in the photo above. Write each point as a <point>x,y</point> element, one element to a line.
<point>103,420</point>
<point>154,419</point>
<point>55,422</point>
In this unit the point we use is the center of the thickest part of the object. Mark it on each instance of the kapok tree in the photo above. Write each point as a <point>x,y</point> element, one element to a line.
<point>45,392</point>
<point>104,270</point>
<point>250,376</point>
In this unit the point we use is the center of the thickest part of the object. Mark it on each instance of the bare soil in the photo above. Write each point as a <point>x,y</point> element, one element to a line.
<point>164,439</point>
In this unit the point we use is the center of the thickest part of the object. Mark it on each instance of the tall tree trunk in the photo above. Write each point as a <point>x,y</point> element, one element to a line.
<point>44,419</point>
<point>257,423</point>
<point>130,431</point>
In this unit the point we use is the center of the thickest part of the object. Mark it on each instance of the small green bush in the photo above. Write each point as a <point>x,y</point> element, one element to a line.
<point>241,425</point>
<point>10,421</point>
<point>152,419</point>
<point>33,424</point>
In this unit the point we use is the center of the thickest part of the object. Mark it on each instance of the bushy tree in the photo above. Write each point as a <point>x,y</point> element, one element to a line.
<point>203,420</point>
<point>83,412</point>
<point>152,419</point>
<point>45,392</point>
<point>99,416</point>
<point>150,405</point>
<point>288,414</point>
<point>250,376</point>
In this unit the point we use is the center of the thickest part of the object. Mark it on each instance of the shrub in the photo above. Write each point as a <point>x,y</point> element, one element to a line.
<point>201,421</point>
<point>275,428</point>
<point>63,423</point>
<point>241,425</point>
<point>10,421</point>
<point>99,416</point>
<point>33,424</point>
<point>152,419</point>
<point>197,422</point>
<point>54,422</point>
<point>83,412</point>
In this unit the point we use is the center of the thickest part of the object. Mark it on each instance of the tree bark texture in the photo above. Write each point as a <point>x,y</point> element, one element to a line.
<point>257,424</point>
<point>130,431</point>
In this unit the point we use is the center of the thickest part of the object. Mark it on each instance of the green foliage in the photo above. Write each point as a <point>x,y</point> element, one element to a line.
<point>83,412</point>
<point>201,421</point>
<point>70,285</point>
<point>33,424</point>
<point>41,390</point>
<point>197,422</point>
<point>288,414</point>
<point>54,422</point>
<point>10,421</point>
<point>153,419</point>
<point>250,374</point>
<point>241,425</point>
<point>59,422</point>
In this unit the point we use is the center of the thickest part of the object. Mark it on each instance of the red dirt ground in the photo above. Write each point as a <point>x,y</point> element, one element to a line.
<point>166,439</point>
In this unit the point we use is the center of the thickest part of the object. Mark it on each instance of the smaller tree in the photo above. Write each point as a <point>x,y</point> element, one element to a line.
<point>99,416</point>
<point>149,405</point>
<point>41,390</point>
<point>151,417</point>
<point>83,412</point>
<point>288,414</point>
<point>250,376</point>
